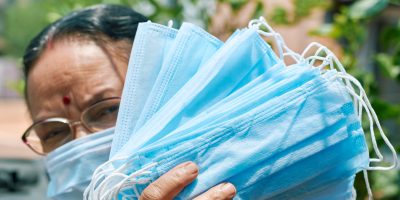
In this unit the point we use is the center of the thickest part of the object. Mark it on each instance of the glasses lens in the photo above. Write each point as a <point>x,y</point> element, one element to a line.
<point>101,115</point>
<point>48,135</point>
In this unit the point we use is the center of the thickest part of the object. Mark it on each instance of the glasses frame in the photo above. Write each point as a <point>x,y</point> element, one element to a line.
<point>70,123</point>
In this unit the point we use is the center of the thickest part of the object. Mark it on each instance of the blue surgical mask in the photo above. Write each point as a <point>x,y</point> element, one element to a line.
<point>151,44</point>
<point>219,77</point>
<point>70,167</point>
<point>191,49</point>
<point>322,145</point>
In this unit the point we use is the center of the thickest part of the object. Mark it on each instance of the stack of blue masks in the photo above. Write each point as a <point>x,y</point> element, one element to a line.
<point>241,114</point>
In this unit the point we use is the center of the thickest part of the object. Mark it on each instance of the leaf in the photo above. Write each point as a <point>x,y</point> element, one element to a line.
<point>17,86</point>
<point>237,4</point>
<point>304,7</point>
<point>385,62</point>
<point>386,183</point>
<point>259,11</point>
<point>279,16</point>
<point>326,30</point>
<point>367,8</point>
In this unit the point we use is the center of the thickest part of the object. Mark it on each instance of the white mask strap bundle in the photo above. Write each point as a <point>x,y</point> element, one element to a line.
<point>107,191</point>
<point>283,49</point>
<point>361,100</point>
<point>363,103</point>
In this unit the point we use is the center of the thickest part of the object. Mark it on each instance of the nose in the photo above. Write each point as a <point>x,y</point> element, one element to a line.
<point>80,131</point>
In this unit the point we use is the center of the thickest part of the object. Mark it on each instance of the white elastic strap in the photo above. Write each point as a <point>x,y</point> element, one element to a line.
<point>120,181</point>
<point>367,109</point>
<point>326,51</point>
<point>108,180</point>
<point>378,125</point>
<point>315,44</point>
<point>170,23</point>
<point>126,183</point>
<point>332,56</point>
<point>101,192</point>
<point>100,175</point>
<point>281,42</point>
<point>283,50</point>
<point>372,138</point>
<point>128,180</point>
<point>325,62</point>
<point>367,185</point>
<point>371,123</point>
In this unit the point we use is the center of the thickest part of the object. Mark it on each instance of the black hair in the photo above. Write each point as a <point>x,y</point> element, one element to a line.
<point>115,22</point>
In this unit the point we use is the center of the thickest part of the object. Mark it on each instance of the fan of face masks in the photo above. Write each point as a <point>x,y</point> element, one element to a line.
<point>236,109</point>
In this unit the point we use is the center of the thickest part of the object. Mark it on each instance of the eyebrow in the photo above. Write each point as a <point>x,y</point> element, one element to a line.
<point>95,98</point>
<point>98,96</point>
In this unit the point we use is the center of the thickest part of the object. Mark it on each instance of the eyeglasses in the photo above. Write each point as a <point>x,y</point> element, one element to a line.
<point>46,135</point>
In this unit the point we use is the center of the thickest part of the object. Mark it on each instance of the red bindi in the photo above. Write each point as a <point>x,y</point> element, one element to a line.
<point>66,100</point>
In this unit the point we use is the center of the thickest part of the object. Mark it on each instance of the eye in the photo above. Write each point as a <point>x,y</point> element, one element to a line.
<point>56,134</point>
<point>102,115</point>
<point>105,113</point>
<point>51,131</point>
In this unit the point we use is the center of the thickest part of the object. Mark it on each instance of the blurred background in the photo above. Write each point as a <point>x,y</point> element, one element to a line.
<point>364,34</point>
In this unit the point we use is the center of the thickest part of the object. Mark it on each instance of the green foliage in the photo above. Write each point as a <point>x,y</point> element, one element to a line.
<point>25,18</point>
<point>367,8</point>
<point>235,4</point>
<point>279,16</point>
<point>21,23</point>
<point>387,184</point>
<point>389,59</point>
<point>304,7</point>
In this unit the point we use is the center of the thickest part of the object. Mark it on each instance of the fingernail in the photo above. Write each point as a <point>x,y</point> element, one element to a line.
<point>190,168</point>
<point>228,189</point>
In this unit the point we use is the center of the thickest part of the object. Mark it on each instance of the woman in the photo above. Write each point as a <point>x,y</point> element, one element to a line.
<point>75,69</point>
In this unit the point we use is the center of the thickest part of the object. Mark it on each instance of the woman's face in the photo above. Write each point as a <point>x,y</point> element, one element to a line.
<point>71,75</point>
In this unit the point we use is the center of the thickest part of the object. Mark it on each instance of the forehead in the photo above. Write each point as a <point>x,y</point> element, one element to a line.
<point>71,67</point>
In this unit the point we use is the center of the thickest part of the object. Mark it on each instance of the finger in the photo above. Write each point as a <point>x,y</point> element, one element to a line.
<point>171,183</point>
<point>220,192</point>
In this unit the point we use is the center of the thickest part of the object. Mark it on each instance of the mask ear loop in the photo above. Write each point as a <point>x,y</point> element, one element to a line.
<point>283,49</point>
<point>366,105</point>
<point>170,23</point>
<point>325,62</point>
<point>103,191</point>
<point>127,181</point>
<point>328,53</point>
<point>100,177</point>
<point>358,106</point>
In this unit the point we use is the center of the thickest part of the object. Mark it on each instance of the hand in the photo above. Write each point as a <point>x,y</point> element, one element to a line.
<point>171,183</point>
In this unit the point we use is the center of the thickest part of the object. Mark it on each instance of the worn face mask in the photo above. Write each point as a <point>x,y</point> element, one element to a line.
<point>220,75</point>
<point>152,42</point>
<point>301,141</point>
<point>71,166</point>
<point>191,49</point>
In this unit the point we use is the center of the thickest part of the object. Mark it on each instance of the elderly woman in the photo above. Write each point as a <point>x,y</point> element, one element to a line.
<point>74,72</point>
